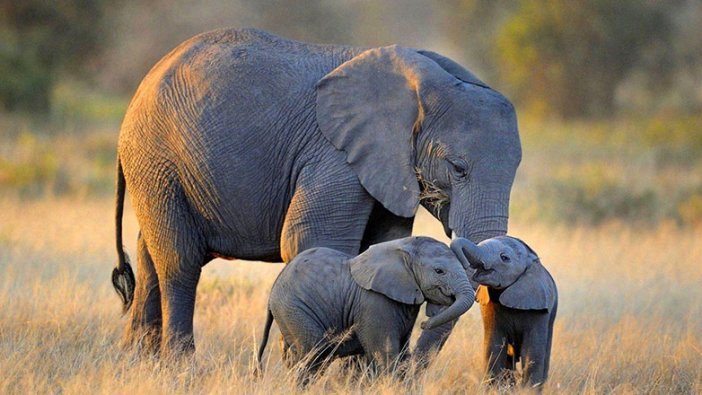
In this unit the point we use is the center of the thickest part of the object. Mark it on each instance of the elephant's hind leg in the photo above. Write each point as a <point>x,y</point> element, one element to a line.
<point>144,327</point>
<point>308,352</point>
<point>179,273</point>
<point>178,250</point>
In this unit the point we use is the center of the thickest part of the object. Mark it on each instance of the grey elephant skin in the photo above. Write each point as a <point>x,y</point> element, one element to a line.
<point>240,144</point>
<point>331,304</point>
<point>518,301</point>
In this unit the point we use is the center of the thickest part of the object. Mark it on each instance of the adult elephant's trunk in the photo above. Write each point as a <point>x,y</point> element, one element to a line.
<point>480,212</point>
<point>463,302</point>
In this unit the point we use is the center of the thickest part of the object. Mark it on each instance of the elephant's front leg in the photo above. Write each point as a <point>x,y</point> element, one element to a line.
<point>384,329</point>
<point>383,352</point>
<point>498,363</point>
<point>534,357</point>
<point>328,209</point>
<point>385,226</point>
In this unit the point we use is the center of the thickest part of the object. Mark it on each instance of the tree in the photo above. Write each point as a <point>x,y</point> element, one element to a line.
<point>472,25</point>
<point>39,40</point>
<point>569,56</point>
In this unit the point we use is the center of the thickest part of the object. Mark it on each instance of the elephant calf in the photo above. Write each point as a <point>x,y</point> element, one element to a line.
<point>518,301</point>
<point>330,304</point>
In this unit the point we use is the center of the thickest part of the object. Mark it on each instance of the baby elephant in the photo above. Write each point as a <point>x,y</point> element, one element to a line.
<point>518,301</point>
<point>330,304</point>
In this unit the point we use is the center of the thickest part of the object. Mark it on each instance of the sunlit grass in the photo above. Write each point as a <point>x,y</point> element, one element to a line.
<point>613,208</point>
<point>629,315</point>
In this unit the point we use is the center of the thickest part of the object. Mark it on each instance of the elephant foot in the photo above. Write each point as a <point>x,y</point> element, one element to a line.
<point>504,379</point>
<point>178,347</point>
<point>146,342</point>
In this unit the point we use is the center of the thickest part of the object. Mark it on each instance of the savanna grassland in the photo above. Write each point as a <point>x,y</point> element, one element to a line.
<point>614,209</point>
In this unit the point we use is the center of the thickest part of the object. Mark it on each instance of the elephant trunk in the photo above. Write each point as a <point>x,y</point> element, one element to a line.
<point>480,212</point>
<point>463,302</point>
<point>470,255</point>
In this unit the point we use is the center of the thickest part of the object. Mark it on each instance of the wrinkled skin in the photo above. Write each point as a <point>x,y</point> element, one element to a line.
<point>372,300</point>
<point>518,301</point>
<point>240,144</point>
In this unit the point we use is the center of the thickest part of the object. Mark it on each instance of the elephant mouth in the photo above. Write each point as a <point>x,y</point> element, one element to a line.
<point>483,276</point>
<point>448,296</point>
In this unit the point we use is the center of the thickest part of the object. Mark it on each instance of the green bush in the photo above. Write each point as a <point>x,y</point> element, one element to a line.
<point>568,57</point>
<point>633,170</point>
<point>42,40</point>
<point>676,138</point>
<point>575,201</point>
<point>688,210</point>
<point>37,163</point>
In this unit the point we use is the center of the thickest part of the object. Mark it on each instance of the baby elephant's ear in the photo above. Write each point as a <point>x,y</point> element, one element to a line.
<point>534,290</point>
<point>385,269</point>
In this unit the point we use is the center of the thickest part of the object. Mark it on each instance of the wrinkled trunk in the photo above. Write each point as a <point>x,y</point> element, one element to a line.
<point>470,254</point>
<point>463,302</point>
<point>480,212</point>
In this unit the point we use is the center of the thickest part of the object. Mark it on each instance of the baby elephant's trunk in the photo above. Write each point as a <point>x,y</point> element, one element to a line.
<point>463,302</point>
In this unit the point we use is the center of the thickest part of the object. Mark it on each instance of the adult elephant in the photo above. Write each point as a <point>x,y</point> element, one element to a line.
<point>241,144</point>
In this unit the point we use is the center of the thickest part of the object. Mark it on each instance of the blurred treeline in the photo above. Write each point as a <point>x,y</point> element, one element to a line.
<point>608,92</point>
<point>565,58</point>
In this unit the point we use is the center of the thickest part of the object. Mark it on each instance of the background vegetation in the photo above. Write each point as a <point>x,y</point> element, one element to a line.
<point>609,98</point>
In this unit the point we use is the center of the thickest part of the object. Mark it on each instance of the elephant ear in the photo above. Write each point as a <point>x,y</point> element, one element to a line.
<point>369,108</point>
<point>533,290</point>
<point>454,68</point>
<point>386,269</point>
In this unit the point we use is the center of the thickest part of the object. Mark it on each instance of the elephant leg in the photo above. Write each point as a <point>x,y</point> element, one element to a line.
<point>305,346</point>
<point>288,357</point>
<point>387,359</point>
<point>325,212</point>
<point>430,342</point>
<point>179,252</point>
<point>403,368</point>
<point>385,226</point>
<point>498,363</point>
<point>178,302</point>
<point>534,355</point>
<point>312,353</point>
<point>547,357</point>
<point>144,327</point>
<point>383,349</point>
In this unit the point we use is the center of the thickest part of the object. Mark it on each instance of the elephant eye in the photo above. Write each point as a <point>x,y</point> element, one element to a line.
<point>459,170</point>
<point>459,167</point>
<point>439,271</point>
<point>504,258</point>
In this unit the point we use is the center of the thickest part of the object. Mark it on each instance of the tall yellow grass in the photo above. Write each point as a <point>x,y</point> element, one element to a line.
<point>630,314</point>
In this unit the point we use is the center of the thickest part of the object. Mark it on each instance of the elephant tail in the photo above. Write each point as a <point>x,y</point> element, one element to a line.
<point>264,340</point>
<point>122,275</point>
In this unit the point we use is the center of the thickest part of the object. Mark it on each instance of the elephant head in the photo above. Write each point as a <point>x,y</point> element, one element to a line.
<point>415,269</point>
<point>418,128</point>
<point>508,264</point>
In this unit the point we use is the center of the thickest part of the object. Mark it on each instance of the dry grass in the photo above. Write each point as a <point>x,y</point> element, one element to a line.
<point>630,316</point>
